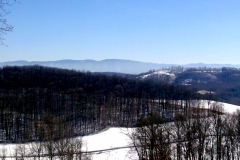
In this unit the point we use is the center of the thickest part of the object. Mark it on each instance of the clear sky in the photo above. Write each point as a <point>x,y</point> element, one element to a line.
<point>159,31</point>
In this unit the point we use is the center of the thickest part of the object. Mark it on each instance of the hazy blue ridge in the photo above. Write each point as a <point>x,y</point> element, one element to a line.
<point>108,65</point>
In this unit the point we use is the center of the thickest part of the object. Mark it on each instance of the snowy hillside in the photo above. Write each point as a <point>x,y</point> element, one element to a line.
<point>159,73</point>
<point>162,75</point>
<point>110,139</point>
<point>112,143</point>
<point>116,137</point>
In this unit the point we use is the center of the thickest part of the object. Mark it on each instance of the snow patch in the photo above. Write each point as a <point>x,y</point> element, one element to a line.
<point>160,72</point>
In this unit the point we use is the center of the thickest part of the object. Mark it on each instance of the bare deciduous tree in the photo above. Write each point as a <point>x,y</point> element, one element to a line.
<point>21,151</point>
<point>5,27</point>
<point>36,149</point>
<point>3,153</point>
<point>150,139</point>
<point>218,123</point>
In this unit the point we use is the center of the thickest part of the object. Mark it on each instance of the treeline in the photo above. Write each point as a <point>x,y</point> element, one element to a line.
<point>33,98</point>
<point>48,148</point>
<point>214,136</point>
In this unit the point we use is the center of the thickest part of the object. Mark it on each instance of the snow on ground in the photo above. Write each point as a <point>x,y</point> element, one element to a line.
<point>229,108</point>
<point>160,72</point>
<point>205,92</point>
<point>115,138</point>
<point>106,140</point>
<point>109,139</point>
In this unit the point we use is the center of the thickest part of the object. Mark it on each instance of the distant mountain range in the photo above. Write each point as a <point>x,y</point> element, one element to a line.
<point>109,65</point>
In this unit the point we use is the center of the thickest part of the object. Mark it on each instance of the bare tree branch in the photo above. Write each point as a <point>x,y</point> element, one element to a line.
<point>5,27</point>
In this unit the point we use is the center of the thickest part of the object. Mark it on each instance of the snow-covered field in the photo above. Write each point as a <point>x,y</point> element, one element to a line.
<point>109,139</point>
<point>228,108</point>
<point>114,139</point>
<point>110,144</point>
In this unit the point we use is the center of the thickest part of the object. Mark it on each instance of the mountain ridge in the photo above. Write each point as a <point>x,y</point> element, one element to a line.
<point>110,65</point>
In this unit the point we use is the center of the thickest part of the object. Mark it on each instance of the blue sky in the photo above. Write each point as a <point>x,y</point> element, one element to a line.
<point>159,31</point>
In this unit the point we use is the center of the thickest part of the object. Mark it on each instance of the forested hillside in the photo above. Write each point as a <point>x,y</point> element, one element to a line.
<point>225,82</point>
<point>36,102</point>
